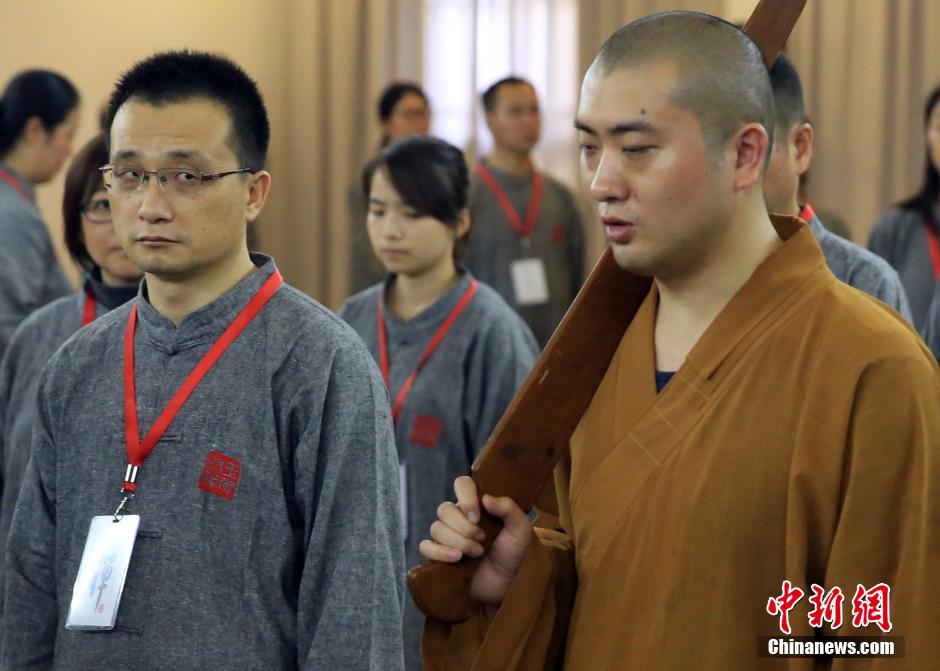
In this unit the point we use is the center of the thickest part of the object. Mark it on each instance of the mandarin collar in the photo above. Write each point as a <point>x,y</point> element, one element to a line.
<point>208,322</point>
<point>430,316</point>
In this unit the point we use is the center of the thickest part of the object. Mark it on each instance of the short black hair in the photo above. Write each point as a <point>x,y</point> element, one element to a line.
<point>179,76</point>
<point>788,94</point>
<point>393,93</point>
<point>490,97</point>
<point>34,93</point>
<point>82,179</point>
<point>428,173</point>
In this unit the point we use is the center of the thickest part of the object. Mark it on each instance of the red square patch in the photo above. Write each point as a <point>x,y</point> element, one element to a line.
<point>426,431</point>
<point>558,234</point>
<point>220,475</point>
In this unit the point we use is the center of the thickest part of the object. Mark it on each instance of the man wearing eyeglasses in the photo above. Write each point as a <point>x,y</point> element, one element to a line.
<point>225,492</point>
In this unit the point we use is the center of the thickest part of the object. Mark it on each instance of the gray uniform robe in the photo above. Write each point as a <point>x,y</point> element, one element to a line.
<point>860,268</point>
<point>899,238</point>
<point>301,569</point>
<point>30,273</point>
<point>557,239</point>
<point>31,346</point>
<point>454,404</point>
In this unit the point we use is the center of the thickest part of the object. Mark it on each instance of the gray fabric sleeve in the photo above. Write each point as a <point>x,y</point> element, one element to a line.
<point>29,638</point>
<point>932,324</point>
<point>496,368</point>
<point>30,274</point>
<point>881,239</point>
<point>6,384</point>
<point>351,592</point>
<point>890,291</point>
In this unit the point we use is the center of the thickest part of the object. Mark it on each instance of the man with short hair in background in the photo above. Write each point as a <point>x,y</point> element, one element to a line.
<point>527,238</point>
<point>790,157</point>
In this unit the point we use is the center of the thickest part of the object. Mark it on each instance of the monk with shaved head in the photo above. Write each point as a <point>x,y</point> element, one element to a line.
<point>757,473</point>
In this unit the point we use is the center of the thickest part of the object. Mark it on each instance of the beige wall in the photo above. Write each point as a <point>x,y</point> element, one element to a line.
<point>867,66</point>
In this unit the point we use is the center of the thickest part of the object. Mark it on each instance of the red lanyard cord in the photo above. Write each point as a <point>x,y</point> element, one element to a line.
<point>137,450</point>
<point>16,184</point>
<point>428,351</point>
<point>88,311</point>
<point>933,244</point>
<point>535,203</point>
<point>807,214</point>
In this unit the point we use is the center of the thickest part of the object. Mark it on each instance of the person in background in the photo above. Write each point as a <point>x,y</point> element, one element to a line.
<point>403,111</point>
<point>528,239</point>
<point>790,157</point>
<point>907,235</point>
<point>111,279</point>
<point>452,352</point>
<point>38,118</point>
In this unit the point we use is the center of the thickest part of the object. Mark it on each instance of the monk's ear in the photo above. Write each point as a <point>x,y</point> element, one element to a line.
<point>751,144</point>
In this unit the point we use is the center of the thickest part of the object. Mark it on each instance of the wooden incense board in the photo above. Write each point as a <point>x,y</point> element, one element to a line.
<point>533,434</point>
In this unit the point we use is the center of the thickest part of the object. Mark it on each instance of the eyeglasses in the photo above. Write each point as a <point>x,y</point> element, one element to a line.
<point>97,210</point>
<point>124,180</point>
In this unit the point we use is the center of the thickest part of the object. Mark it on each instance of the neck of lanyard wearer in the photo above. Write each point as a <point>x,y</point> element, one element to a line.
<point>428,351</point>
<point>138,450</point>
<point>522,230</point>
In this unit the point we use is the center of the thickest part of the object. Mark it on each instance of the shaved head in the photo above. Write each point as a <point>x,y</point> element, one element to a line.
<point>722,78</point>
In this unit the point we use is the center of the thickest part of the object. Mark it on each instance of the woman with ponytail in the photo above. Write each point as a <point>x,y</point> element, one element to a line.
<point>38,118</point>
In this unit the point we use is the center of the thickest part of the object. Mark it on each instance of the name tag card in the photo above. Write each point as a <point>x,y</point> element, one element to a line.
<point>101,574</point>
<point>529,282</point>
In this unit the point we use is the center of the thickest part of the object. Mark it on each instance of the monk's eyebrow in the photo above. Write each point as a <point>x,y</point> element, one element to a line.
<point>632,126</point>
<point>376,201</point>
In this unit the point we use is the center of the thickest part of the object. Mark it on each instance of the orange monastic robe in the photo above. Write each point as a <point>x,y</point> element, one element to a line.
<point>799,441</point>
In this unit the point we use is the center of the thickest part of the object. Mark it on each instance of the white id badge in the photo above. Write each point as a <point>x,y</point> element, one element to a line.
<point>403,500</point>
<point>529,282</point>
<point>100,580</point>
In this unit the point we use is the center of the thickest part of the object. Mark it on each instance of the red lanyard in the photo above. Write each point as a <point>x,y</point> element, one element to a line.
<point>138,450</point>
<point>429,350</point>
<point>16,184</point>
<point>523,231</point>
<point>88,312</point>
<point>806,213</point>
<point>933,244</point>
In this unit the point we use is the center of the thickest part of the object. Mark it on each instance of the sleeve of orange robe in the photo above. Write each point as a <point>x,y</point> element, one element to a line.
<point>529,630</point>
<point>889,524</point>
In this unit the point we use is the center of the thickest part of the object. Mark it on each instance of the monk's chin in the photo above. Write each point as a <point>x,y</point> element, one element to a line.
<point>628,260</point>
